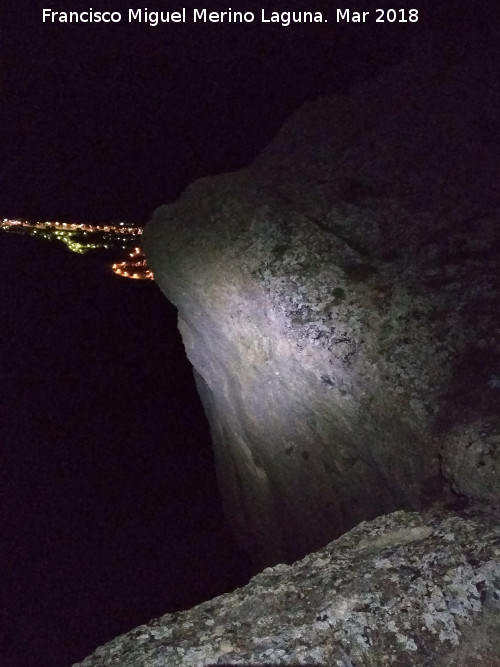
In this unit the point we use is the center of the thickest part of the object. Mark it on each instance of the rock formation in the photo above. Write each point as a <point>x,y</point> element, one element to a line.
<point>339,300</point>
<point>406,589</point>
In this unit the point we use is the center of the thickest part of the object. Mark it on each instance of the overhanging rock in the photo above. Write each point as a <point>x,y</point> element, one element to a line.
<point>339,301</point>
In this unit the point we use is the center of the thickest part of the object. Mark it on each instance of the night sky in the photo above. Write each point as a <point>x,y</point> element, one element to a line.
<point>109,512</point>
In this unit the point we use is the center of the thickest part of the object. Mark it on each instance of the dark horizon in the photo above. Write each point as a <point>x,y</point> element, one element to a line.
<point>104,123</point>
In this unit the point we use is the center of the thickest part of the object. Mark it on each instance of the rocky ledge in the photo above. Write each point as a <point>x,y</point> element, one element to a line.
<point>405,589</point>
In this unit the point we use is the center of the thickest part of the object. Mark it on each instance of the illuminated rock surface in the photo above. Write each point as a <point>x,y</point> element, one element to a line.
<point>408,589</point>
<point>339,300</point>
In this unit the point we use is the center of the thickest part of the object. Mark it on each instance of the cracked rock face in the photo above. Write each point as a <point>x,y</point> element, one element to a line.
<point>405,589</point>
<point>339,300</point>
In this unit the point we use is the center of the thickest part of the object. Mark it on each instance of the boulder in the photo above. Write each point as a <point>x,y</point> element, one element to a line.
<point>339,301</point>
<point>408,589</point>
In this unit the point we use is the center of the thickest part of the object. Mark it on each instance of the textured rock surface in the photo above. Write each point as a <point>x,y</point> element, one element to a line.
<point>339,300</point>
<point>406,589</point>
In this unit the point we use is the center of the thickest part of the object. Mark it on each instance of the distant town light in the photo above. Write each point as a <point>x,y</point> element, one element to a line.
<point>72,233</point>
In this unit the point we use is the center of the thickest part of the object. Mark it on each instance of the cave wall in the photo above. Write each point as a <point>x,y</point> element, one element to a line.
<point>338,300</point>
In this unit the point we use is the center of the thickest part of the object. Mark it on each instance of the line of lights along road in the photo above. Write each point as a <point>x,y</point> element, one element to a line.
<point>83,238</point>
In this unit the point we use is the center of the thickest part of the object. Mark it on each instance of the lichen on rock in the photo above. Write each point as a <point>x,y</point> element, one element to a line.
<point>409,589</point>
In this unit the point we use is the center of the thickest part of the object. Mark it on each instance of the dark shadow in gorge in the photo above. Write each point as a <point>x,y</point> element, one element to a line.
<point>110,512</point>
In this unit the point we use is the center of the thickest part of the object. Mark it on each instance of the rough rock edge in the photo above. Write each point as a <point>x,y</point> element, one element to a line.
<point>403,589</point>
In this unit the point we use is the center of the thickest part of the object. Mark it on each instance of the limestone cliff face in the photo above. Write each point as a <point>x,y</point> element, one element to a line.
<point>406,589</point>
<point>339,300</point>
